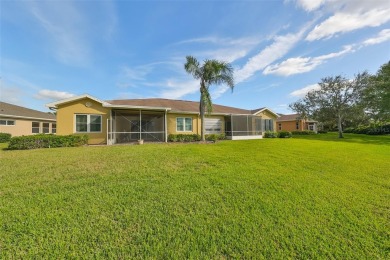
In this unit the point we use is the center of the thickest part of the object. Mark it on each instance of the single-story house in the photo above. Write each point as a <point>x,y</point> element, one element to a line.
<point>294,122</point>
<point>17,120</point>
<point>153,119</point>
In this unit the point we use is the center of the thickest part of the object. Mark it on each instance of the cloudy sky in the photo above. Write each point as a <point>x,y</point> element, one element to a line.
<point>136,49</point>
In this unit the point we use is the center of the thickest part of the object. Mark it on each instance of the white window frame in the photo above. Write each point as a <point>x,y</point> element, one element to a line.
<point>43,128</point>
<point>184,124</point>
<point>55,128</point>
<point>88,124</point>
<point>6,122</point>
<point>34,127</point>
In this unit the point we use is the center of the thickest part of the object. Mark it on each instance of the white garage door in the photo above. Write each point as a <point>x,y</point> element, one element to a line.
<point>213,125</point>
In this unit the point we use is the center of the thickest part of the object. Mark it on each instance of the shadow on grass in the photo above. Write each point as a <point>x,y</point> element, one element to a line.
<point>349,138</point>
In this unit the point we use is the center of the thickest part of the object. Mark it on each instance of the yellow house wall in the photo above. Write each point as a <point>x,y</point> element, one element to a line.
<point>196,123</point>
<point>22,126</point>
<point>66,119</point>
<point>267,115</point>
<point>171,123</point>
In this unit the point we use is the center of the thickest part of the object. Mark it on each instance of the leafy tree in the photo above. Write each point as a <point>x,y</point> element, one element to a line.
<point>211,72</point>
<point>377,95</point>
<point>337,100</point>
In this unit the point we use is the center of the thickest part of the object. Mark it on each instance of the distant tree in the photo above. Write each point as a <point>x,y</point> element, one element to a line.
<point>337,99</point>
<point>211,72</point>
<point>377,95</point>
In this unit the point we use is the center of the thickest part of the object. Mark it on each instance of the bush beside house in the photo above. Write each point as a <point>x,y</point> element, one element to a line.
<point>46,141</point>
<point>5,137</point>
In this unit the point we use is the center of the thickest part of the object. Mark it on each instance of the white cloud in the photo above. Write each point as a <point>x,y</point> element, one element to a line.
<point>346,22</point>
<point>303,91</point>
<point>53,94</point>
<point>383,36</point>
<point>279,48</point>
<point>310,5</point>
<point>302,64</point>
<point>176,89</point>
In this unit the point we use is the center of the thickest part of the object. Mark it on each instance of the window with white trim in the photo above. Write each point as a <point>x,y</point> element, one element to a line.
<point>35,127</point>
<point>88,123</point>
<point>53,128</point>
<point>184,124</point>
<point>7,122</point>
<point>45,128</point>
<point>280,126</point>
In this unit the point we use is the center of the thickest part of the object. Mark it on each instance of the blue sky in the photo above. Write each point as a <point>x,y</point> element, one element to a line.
<point>136,49</point>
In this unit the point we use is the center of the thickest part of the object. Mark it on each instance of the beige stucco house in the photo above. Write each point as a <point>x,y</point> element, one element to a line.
<point>153,119</point>
<point>294,122</point>
<point>17,120</point>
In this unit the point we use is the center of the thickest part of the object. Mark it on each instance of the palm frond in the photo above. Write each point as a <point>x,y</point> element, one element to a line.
<point>192,67</point>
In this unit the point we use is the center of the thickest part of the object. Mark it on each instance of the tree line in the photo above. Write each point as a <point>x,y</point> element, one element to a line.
<point>341,102</point>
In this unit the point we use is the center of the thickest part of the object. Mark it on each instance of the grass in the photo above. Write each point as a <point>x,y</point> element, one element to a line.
<point>306,197</point>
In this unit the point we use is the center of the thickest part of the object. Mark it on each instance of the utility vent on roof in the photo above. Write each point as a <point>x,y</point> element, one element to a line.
<point>213,125</point>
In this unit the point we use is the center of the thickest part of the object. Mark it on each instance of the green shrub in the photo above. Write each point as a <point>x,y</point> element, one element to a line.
<point>5,137</point>
<point>372,129</point>
<point>284,134</point>
<point>46,141</point>
<point>215,137</point>
<point>183,138</point>
<point>270,134</point>
<point>304,132</point>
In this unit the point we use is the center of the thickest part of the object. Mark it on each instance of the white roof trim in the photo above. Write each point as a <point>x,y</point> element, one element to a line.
<point>68,100</point>
<point>27,117</point>
<point>266,108</point>
<point>136,107</point>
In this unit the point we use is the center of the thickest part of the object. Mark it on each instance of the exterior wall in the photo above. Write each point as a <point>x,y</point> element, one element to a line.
<point>66,119</point>
<point>171,123</point>
<point>291,126</point>
<point>268,115</point>
<point>23,126</point>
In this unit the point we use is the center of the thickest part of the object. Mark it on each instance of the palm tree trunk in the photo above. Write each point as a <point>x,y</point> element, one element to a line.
<point>201,109</point>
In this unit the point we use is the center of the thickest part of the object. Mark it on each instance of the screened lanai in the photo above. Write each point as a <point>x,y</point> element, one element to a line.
<point>127,126</point>
<point>246,126</point>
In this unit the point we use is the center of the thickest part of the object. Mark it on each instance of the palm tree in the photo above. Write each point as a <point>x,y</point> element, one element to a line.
<point>212,72</point>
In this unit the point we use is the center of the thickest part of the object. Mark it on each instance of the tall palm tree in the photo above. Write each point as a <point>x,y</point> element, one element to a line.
<point>212,72</point>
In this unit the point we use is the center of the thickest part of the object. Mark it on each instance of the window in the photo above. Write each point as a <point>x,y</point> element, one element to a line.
<point>45,128</point>
<point>184,124</point>
<point>297,125</point>
<point>88,123</point>
<point>53,128</point>
<point>35,127</point>
<point>7,122</point>
<point>268,124</point>
<point>280,126</point>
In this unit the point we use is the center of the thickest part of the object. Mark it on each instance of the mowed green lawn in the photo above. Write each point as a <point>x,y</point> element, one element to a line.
<point>305,197</point>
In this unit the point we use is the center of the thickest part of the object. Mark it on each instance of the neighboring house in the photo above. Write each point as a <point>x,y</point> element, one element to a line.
<point>121,121</point>
<point>293,122</point>
<point>18,120</point>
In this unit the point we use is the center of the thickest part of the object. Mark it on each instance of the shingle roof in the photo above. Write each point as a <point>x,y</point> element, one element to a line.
<point>7,109</point>
<point>291,117</point>
<point>177,105</point>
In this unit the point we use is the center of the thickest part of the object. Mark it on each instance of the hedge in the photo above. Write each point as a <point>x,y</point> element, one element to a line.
<point>270,134</point>
<point>183,138</point>
<point>5,137</point>
<point>215,137</point>
<point>304,132</point>
<point>284,134</point>
<point>369,130</point>
<point>46,141</point>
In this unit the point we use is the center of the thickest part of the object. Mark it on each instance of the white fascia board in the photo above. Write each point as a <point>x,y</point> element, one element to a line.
<point>136,107</point>
<point>266,108</point>
<point>27,117</point>
<point>68,100</point>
